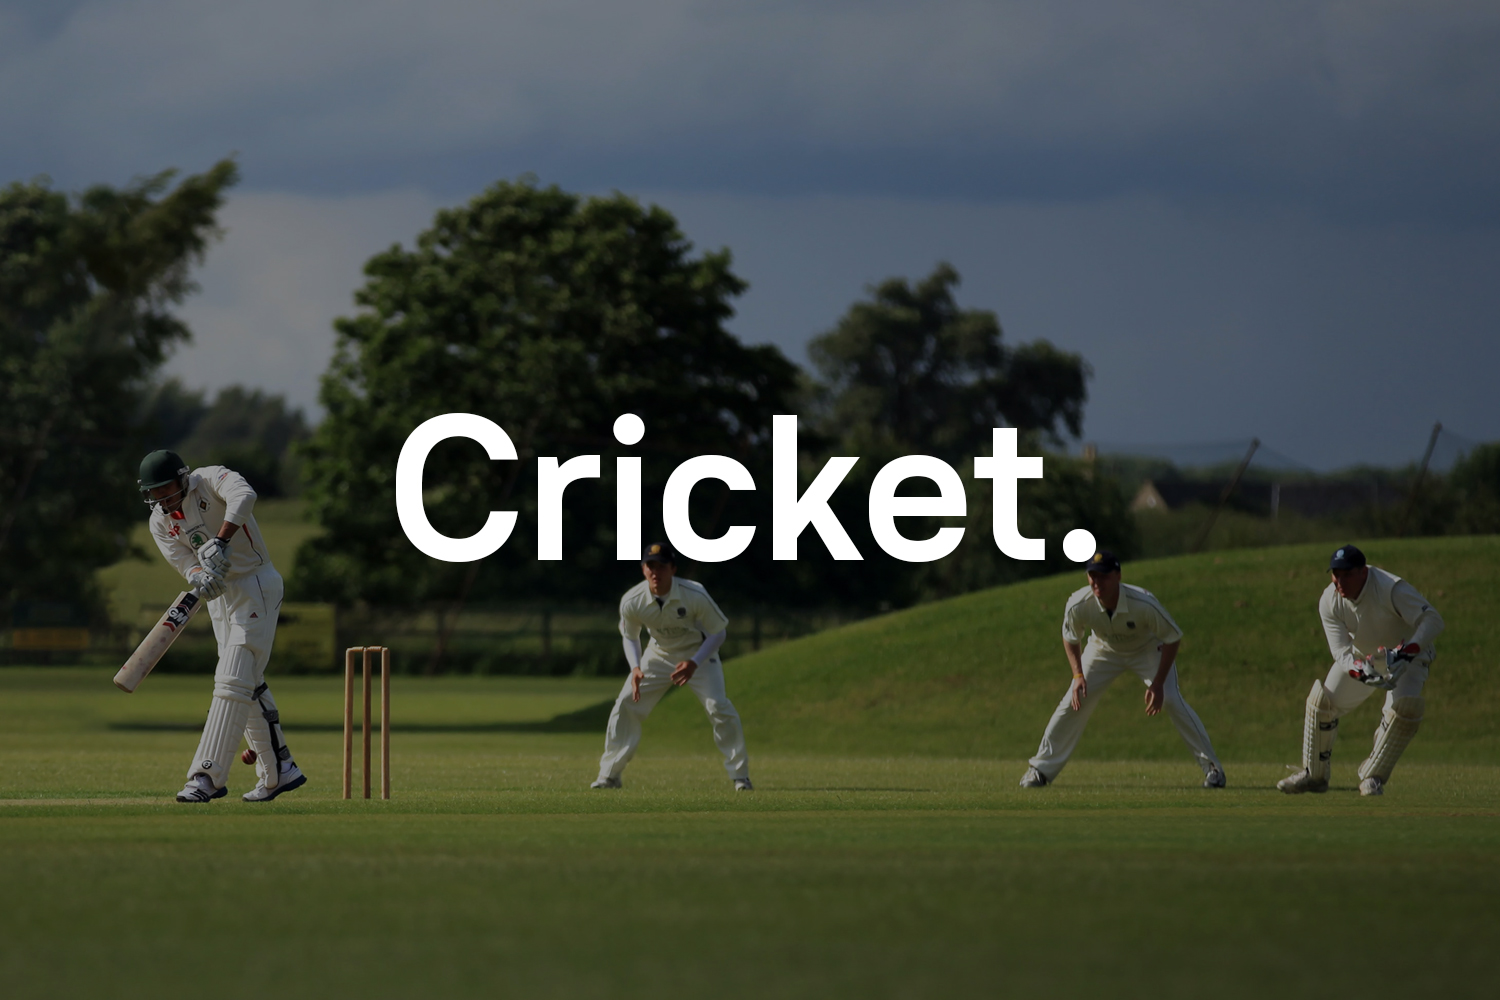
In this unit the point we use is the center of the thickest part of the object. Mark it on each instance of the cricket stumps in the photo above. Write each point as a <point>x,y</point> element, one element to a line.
<point>368,653</point>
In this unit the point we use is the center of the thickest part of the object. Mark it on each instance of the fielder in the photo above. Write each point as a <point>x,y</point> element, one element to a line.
<point>686,628</point>
<point>243,593</point>
<point>1131,631</point>
<point>1380,632</point>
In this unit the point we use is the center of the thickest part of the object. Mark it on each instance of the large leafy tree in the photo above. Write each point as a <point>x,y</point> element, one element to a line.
<point>87,286</point>
<point>550,314</point>
<point>908,371</point>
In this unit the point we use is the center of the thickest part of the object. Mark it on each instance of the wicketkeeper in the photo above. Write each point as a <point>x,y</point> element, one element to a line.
<point>194,516</point>
<point>686,628</point>
<point>1130,632</point>
<point>1380,632</point>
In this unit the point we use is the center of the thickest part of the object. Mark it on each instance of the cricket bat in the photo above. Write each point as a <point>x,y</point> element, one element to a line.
<point>157,641</point>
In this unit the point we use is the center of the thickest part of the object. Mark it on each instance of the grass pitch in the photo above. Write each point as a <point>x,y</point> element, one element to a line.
<point>495,871</point>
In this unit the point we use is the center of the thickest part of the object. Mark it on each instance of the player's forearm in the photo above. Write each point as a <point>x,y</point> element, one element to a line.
<point>710,646</point>
<point>632,651</point>
<point>227,530</point>
<point>1428,626</point>
<point>1168,657</point>
<point>1075,658</point>
<point>238,495</point>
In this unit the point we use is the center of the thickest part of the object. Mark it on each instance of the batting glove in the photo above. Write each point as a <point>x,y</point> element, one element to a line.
<point>205,584</point>
<point>213,555</point>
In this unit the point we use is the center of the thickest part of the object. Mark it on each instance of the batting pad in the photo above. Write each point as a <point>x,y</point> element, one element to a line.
<point>263,733</point>
<point>1400,724</point>
<point>227,715</point>
<point>1320,727</point>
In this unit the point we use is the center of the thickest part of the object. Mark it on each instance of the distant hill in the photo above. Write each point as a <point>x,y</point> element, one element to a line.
<point>978,675</point>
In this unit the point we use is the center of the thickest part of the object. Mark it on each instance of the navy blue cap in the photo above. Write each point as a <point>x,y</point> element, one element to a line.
<point>1103,561</point>
<point>659,552</point>
<point>1347,557</point>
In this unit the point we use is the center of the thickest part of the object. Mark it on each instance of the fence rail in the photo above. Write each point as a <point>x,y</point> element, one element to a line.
<point>493,639</point>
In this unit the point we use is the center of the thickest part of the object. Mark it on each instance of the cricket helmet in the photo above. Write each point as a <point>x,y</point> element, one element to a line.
<point>162,468</point>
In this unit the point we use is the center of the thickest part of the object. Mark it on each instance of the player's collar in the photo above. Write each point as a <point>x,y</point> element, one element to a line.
<point>1122,606</point>
<point>675,594</point>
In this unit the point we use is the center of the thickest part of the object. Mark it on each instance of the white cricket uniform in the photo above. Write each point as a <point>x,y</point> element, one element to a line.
<point>244,618</point>
<point>1388,612</point>
<point>1129,639</point>
<point>678,624</point>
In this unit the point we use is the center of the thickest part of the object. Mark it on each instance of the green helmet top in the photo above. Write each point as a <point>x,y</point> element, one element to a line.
<point>161,468</point>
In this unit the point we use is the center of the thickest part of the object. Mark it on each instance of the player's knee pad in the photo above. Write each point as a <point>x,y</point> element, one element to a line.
<point>1320,727</point>
<point>236,670</point>
<point>233,689</point>
<point>1399,724</point>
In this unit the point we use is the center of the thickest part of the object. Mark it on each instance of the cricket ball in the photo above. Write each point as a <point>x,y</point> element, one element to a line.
<point>248,756</point>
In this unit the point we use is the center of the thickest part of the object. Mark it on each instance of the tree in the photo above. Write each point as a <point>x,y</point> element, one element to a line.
<point>551,315</point>
<point>87,285</point>
<point>909,372</point>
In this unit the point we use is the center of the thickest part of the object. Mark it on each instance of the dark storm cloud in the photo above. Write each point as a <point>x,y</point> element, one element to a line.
<point>1365,108</point>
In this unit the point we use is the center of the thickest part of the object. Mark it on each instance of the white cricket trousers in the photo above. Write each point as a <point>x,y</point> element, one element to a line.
<point>624,732</point>
<point>1100,668</point>
<point>244,621</point>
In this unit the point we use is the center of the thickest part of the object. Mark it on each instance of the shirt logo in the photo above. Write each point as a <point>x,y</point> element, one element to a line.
<point>197,540</point>
<point>175,530</point>
<point>682,612</point>
<point>1130,624</point>
<point>203,505</point>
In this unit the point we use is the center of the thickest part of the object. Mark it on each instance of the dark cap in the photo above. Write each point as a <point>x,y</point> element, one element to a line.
<point>1347,557</point>
<point>659,552</point>
<point>1103,561</point>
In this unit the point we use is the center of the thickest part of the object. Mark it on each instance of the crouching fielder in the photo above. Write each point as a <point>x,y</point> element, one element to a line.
<point>1380,632</point>
<point>1131,632</point>
<point>687,628</point>
<point>194,516</point>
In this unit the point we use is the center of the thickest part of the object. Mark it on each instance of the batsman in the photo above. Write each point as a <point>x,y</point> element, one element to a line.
<point>1380,632</point>
<point>202,522</point>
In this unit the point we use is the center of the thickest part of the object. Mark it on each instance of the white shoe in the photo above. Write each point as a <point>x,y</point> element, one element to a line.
<point>1302,781</point>
<point>1372,786</point>
<point>292,779</point>
<point>200,788</point>
<point>1214,778</point>
<point>608,783</point>
<point>743,785</point>
<point>1034,779</point>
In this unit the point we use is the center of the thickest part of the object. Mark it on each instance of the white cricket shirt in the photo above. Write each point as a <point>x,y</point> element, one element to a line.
<point>678,622</point>
<point>215,495</point>
<point>1139,621</point>
<point>1388,611</point>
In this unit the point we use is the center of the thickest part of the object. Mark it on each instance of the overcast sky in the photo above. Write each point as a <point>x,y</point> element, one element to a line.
<point>1272,219</point>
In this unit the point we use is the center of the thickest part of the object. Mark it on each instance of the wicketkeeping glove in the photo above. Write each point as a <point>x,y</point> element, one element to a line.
<point>213,555</point>
<point>1396,661</point>
<point>205,584</point>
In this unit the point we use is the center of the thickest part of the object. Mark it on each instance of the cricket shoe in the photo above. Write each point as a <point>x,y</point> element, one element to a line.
<point>292,779</point>
<point>1034,779</point>
<point>743,785</point>
<point>1372,786</point>
<point>1214,778</point>
<point>1302,781</point>
<point>608,783</point>
<point>200,788</point>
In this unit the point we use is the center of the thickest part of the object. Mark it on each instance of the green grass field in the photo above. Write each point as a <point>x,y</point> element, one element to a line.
<point>886,852</point>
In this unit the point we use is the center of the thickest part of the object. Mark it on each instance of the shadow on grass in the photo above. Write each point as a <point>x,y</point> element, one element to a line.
<point>591,719</point>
